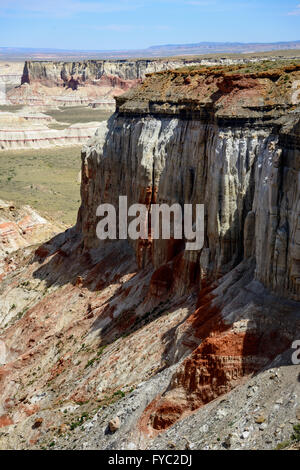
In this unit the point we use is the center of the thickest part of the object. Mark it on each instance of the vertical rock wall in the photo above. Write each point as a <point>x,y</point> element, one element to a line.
<point>248,183</point>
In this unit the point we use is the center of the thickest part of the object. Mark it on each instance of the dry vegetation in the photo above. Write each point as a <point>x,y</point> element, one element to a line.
<point>46,179</point>
<point>10,108</point>
<point>269,67</point>
<point>74,114</point>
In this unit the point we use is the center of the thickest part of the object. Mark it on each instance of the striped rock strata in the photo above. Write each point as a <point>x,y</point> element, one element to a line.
<point>148,331</point>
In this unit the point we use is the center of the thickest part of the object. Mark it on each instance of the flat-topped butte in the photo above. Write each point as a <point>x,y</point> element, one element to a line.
<point>266,90</point>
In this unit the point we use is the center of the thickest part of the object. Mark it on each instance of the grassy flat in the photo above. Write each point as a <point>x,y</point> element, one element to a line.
<point>46,179</point>
<point>74,114</point>
<point>11,108</point>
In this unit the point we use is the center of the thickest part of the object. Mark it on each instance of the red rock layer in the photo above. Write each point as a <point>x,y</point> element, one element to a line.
<point>216,366</point>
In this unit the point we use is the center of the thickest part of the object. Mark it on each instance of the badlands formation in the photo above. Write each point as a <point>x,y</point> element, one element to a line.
<point>93,82</point>
<point>29,128</point>
<point>144,345</point>
<point>45,85</point>
<point>96,82</point>
<point>11,74</point>
<point>21,228</point>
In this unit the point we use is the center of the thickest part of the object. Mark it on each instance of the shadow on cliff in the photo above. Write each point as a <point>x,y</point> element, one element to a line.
<point>132,304</point>
<point>63,260</point>
<point>231,338</point>
<point>60,260</point>
<point>206,332</point>
<point>238,329</point>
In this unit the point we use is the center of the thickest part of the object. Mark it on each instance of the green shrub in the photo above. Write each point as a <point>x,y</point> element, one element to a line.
<point>283,445</point>
<point>296,434</point>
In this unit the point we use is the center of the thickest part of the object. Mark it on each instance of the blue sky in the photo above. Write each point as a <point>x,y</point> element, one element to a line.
<point>135,24</point>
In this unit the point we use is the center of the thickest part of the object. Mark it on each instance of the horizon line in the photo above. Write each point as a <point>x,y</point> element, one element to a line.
<point>50,49</point>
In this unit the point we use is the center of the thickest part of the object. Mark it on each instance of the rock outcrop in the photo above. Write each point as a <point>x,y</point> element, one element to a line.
<point>146,331</point>
<point>95,81</point>
<point>10,74</point>
<point>82,83</point>
<point>25,130</point>
<point>90,71</point>
<point>19,228</point>
<point>232,140</point>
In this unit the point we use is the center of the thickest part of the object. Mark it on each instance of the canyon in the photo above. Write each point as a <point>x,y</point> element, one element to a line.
<point>177,349</point>
<point>93,82</point>
<point>97,82</point>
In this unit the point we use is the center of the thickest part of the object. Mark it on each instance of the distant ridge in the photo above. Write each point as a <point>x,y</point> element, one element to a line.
<point>201,48</point>
<point>279,45</point>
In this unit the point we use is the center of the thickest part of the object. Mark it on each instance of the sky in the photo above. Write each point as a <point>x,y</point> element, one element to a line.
<point>138,24</point>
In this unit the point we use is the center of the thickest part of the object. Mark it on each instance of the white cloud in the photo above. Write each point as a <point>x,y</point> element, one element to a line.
<point>295,12</point>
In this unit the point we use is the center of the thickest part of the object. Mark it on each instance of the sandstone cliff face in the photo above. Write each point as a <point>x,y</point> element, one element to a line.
<point>244,170</point>
<point>92,81</point>
<point>57,73</point>
<point>10,74</point>
<point>171,330</point>
<point>178,143</point>
<point>100,78</point>
<point>88,82</point>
